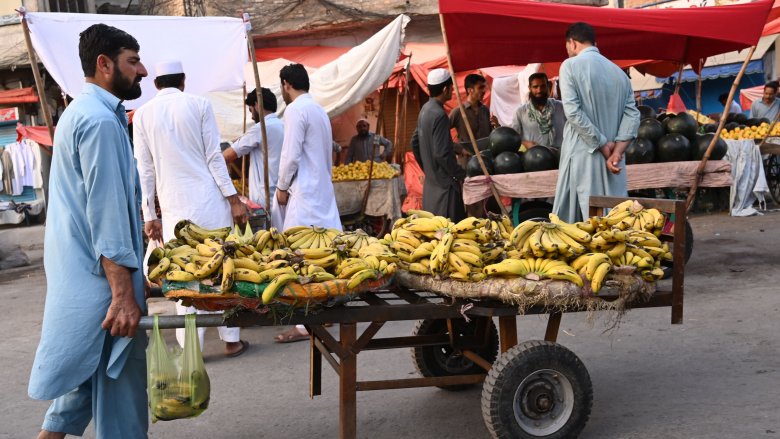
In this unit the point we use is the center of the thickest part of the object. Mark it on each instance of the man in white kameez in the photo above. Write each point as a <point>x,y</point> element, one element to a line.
<point>304,190</point>
<point>601,120</point>
<point>179,158</point>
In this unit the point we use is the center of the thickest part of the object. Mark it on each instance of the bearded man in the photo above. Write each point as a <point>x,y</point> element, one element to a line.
<point>541,120</point>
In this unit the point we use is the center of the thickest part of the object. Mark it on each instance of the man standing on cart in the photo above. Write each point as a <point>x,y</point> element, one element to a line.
<point>91,358</point>
<point>601,120</point>
<point>252,143</point>
<point>179,159</point>
<point>540,121</point>
<point>433,149</point>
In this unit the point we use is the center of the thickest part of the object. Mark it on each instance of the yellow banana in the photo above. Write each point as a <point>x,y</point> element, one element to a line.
<point>272,289</point>
<point>156,255</point>
<point>408,238</point>
<point>469,258</point>
<point>522,232</point>
<point>360,277</point>
<point>564,272</point>
<point>321,276</point>
<point>349,270</point>
<point>418,213</point>
<point>271,274</point>
<point>507,267</point>
<point>228,269</point>
<point>211,266</point>
<point>536,242</point>
<point>457,264</point>
<point>492,254</point>
<point>570,229</point>
<point>617,250</point>
<point>466,248</point>
<point>597,281</point>
<point>547,243</point>
<point>594,262</point>
<point>179,276</point>
<point>399,246</point>
<point>418,268</point>
<point>246,263</point>
<point>246,275</point>
<point>581,261</point>
<point>161,268</point>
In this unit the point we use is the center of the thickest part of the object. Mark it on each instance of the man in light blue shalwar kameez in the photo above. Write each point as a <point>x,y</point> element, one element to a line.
<point>90,360</point>
<point>601,120</point>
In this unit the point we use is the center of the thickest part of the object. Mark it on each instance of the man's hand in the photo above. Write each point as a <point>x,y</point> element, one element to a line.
<point>614,159</point>
<point>282,197</point>
<point>606,149</point>
<point>238,210</point>
<point>153,230</point>
<point>494,122</point>
<point>123,314</point>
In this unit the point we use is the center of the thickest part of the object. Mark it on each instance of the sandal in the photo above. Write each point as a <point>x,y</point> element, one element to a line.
<point>244,347</point>
<point>290,336</point>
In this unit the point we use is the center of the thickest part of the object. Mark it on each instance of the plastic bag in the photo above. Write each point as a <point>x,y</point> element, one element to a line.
<point>179,386</point>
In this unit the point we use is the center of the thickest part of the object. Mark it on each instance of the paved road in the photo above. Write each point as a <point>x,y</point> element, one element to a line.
<point>716,376</point>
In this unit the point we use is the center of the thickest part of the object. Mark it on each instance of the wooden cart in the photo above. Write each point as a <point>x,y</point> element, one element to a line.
<point>530,389</point>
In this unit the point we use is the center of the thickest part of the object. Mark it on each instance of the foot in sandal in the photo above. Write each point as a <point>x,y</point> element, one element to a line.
<point>292,335</point>
<point>234,349</point>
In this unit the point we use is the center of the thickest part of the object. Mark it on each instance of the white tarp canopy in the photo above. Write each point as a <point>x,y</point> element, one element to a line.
<point>213,50</point>
<point>337,85</point>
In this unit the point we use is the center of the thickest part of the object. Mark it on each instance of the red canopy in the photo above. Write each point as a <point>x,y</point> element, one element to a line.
<point>18,96</point>
<point>505,32</point>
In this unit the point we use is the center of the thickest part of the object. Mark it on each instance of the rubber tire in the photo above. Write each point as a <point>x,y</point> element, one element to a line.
<point>513,367</point>
<point>424,357</point>
<point>539,213</point>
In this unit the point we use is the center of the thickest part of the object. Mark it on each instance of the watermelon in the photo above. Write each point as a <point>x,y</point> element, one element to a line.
<point>741,118</point>
<point>504,139</point>
<point>710,128</point>
<point>646,112</point>
<point>683,124</point>
<point>539,158</point>
<point>651,130</point>
<point>640,151</point>
<point>508,162</point>
<point>472,167</point>
<point>701,144</point>
<point>673,148</point>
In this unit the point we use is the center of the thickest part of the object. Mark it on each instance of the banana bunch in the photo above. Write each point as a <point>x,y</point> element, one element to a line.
<point>267,241</point>
<point>501,225</point>
<point>616,242</point>
<point>324,257</point>
<point>554,240</point>
<point>303,237</point>
<point>534,269</point>
<point>351,243</point>
<point>594,267</point>
<point>630,214</point>
<point>359,270</point>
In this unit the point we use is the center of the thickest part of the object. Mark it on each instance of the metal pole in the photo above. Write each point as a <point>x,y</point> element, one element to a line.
<point>253,55</point>
<point>168,322</point>
<point>727,107</point>
<point>466,119</point>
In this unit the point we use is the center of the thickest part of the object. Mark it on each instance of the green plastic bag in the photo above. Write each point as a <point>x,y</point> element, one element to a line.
<point>179,386</point>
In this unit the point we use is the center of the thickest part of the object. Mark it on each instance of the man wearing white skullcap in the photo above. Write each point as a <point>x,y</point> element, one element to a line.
<point>179,159</point>
<point>433,149</point>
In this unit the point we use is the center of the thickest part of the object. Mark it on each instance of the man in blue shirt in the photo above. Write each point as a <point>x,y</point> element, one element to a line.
<point>91,360</point>
<point>768,106</point>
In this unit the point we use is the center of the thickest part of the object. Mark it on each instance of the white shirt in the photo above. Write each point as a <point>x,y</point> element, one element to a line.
<point>305,167</point>
<point>252,143</point>
<point>176,144</point>
<point>735,108</point>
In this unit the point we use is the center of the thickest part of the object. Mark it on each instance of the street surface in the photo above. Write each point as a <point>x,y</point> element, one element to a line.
<point>715,376</point>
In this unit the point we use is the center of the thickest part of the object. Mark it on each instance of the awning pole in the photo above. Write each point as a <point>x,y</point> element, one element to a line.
<point>251,45</point>
<point>679,78</point>
<point>399,151</point>
<point>473,140</point>
<point>37,77</point>
<point>727,107</point>
<point>243,159</point>
<point>698,90</point>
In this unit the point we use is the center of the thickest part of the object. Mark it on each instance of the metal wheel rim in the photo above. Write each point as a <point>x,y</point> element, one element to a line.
<point>773,177</point>
<point>543,402</point>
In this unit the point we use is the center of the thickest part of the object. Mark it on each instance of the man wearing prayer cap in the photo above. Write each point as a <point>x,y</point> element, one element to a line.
<point>362,145</point>
<point>433,149</point>
<point>179,159</point>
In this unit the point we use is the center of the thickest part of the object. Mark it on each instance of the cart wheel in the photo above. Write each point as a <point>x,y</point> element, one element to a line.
<point>772,171</point>
<point>537,389</point>
<point>443,360</point>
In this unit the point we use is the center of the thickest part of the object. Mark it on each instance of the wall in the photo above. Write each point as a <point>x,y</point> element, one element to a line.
<point>7,7</point>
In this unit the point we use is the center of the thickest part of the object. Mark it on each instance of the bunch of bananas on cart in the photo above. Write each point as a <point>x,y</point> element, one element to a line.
<point>360,171</point>
<point>428,244</point>
<point>587,251</point>
<point>300,254</point>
